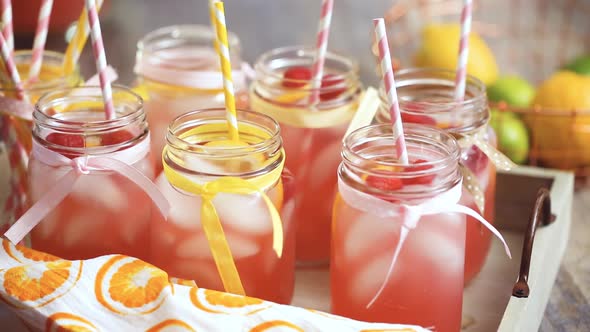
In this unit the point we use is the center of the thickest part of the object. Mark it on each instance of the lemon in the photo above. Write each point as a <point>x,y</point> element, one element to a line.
<point>562,140</point>
<point>439,49</point>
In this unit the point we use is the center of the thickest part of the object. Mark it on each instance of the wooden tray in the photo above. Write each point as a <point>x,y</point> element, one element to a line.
<point>488,304</point>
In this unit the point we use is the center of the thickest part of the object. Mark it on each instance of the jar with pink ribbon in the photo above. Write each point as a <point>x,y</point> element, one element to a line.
<point>178,71</point>
<point>90,178</point>
<point>426,97</point>
<point>398,242</point>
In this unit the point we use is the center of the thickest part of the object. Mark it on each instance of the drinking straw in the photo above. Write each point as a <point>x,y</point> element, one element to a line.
<point>461,73</point>
<point>40,38</point>
<point>228,86</point>
<point>7,25</point>
<point>389,84</point>
<point>100,59</point>
<point>212,18</point>
<point>317,68</point>
<point>11,67</point>
<point>77,43</point>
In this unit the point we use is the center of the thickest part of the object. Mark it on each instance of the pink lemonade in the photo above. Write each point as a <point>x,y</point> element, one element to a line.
<point>425,286</point>
<point>179,71</point>
<point>180,245</point>
<point>426,97</point>
<point>97,216</point>
<point>312,133</point>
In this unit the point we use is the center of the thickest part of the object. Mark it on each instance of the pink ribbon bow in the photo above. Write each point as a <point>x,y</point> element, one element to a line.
<point>118,161</point>
<point>447,202</point>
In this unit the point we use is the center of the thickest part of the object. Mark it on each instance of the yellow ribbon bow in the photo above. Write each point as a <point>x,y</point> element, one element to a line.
<point>212,225</point>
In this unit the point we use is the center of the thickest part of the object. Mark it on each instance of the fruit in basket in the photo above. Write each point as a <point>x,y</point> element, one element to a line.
<point>580,65</point>
<point>439,49</point>
<point>513,90</point>
<point>513,137</point>
<point>560,137</point>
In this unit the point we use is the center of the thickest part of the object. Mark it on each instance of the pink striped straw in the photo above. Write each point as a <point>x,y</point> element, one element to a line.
<point>317,68</point>
<point>40,38</point>
<point>389,84</point>
<point>100,59</point>
<point>11,68</point>
<point>461,74</point>
<point>7,24</point>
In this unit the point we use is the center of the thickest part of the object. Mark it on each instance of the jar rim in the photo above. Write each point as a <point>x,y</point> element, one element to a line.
<point>261,64</point>
<point>57,96</point>
<point>218,115</point>
<point>23,56</point>
<point>190,31</point>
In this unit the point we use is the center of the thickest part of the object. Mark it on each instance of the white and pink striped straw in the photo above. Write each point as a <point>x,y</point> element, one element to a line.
<point>7,25</point>
<point>317,68</point>
<point>461,73</point>
<point>40,38</point>
<point>389,85</point>
<point>100,59</point>
<point>11,68</point>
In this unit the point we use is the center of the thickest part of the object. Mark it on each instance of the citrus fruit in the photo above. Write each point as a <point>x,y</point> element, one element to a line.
<point>580,65</point>
<point>561,139</point>
<point>440,49</point>
<point>513,90</point>
<point>513,137</point>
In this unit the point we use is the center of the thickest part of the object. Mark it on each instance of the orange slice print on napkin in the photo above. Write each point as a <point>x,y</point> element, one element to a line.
<point>171,325</point>
<point>127,285</point>
<point>23,254</point>
<point>225,303</point>
<point>38,284</point>
<point>66,322</point>
<point>277,325</point>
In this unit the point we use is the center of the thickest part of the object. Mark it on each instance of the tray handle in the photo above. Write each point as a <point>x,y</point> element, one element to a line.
<point>542,210</point>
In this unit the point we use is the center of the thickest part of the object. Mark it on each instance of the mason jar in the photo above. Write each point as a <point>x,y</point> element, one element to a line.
<point>227,198</point>
<point>312,130</point>
<point>178,69</point>
<point>102,210</point>
<point>398,246</point>
<point>426,97</point>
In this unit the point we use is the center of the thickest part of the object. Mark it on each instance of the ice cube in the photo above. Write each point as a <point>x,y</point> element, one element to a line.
<point>369,278</point>
<point>367,231</point>
<point>48,225</point>
<point>185,209</point>
<point>197,247</point>
<point>101,190</point>
<point>79,228</point>
<point>244,213</point>
<point>439,247</point>
<point>133,224</point>
<point>324,164</point>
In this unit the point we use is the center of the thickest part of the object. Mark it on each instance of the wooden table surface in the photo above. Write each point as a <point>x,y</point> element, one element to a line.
<point>127,21</point>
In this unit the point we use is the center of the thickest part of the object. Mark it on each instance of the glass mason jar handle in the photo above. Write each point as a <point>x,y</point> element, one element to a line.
<point>542,210</point>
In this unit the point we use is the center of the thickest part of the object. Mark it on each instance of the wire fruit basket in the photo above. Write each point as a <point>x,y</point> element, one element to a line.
<point>531,39</point>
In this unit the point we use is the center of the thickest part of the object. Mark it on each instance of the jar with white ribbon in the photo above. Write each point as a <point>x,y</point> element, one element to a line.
<point>90,178</point>
<point>314,116</point>
<point>426,97</point>
<point>398,242</point>
<point>178,71</point>
<point>230,225</point>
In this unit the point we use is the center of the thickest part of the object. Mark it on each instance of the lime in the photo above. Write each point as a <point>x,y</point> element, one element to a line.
<point>513,137</point>
<point>439,50</point>
<point>513,90</point>
<point>580,65</point>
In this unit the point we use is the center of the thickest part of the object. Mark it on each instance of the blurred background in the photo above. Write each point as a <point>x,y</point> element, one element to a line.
<point>260,24</point>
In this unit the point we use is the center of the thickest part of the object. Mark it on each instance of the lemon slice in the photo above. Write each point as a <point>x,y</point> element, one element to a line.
<point>292,97</point>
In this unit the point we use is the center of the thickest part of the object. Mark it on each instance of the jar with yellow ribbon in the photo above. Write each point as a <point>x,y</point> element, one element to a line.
<point>230,225</point>
<point>15,124</point>
<point>314,117</point>
<point>178,71</point>
<point>426,97</point>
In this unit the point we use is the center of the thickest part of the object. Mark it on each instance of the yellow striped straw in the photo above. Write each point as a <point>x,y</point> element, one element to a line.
<point>228,85</point>
<point>77,43</point>
<point>212,17</point>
